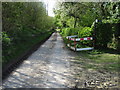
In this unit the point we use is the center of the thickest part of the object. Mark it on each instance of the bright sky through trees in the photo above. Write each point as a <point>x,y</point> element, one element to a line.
<point>50,5</point>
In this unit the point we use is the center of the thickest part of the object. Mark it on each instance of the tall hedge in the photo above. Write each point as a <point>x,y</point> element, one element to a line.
<point>116,32</point>
<point>22,24</point>
<point>70,31</point>
<point>107,34</point>
<point>103,34</point>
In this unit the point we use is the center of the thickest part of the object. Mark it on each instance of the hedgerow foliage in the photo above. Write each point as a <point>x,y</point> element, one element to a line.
<point>103,34</point>
<point>70,31</point>
<point>85,32</point>
<point>22,24</point>
<point>106,33</point>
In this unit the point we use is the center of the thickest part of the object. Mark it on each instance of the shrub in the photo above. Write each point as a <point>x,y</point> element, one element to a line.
<point>5,40</point>
<point>65,31</point>
<point>70,31</point>
<point>81,32</point>
<point>85,32</point>
<point>6,44</point>
<point>74,31</point>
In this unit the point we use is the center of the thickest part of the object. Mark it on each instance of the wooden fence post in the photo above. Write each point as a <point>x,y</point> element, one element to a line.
<point>94,36</point>
<point>75,44</point>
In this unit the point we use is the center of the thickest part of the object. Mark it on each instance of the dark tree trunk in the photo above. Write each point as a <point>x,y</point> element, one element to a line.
<point>94,36</point>
<point>75,22</point>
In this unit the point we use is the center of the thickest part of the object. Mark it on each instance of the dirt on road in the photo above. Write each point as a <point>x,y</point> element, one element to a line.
<point>55,66</point>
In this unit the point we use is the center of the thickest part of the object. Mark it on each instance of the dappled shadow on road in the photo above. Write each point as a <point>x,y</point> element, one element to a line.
<point>55,66</point>
<point>36,78</point>
<point>26,80</point>
<point>47,67</point>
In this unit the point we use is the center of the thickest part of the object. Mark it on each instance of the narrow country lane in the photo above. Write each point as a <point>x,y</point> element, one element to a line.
<point>49,66</point>
<point>55,66</point>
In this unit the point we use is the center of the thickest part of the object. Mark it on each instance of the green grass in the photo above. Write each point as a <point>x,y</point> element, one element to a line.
<point>101,60</point>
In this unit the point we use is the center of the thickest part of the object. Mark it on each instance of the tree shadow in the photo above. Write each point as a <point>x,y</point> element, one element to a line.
<point>109,50</point>
<point>16,82</point>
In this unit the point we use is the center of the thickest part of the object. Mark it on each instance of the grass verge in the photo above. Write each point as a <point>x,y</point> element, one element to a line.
<point>21,47</point>
<point>100,60</point>
<point>104,59</point>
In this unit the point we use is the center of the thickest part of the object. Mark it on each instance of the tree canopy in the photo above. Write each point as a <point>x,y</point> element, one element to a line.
<point>71,15</point>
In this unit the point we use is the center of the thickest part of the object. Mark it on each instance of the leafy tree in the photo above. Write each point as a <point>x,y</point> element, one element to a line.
<point>22,23</point>
<point>71,15</point>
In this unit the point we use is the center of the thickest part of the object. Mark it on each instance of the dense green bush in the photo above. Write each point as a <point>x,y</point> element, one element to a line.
<point>85,32</point>
<point>6,44</point>
<point>70,31</point>
<point>74,31</point>
<point>5,39</point>
<point>66,31</point>
<point>81,32</point>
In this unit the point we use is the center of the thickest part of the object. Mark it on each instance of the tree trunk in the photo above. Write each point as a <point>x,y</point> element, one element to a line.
<point>75,22</point>
<point>118,45</point>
